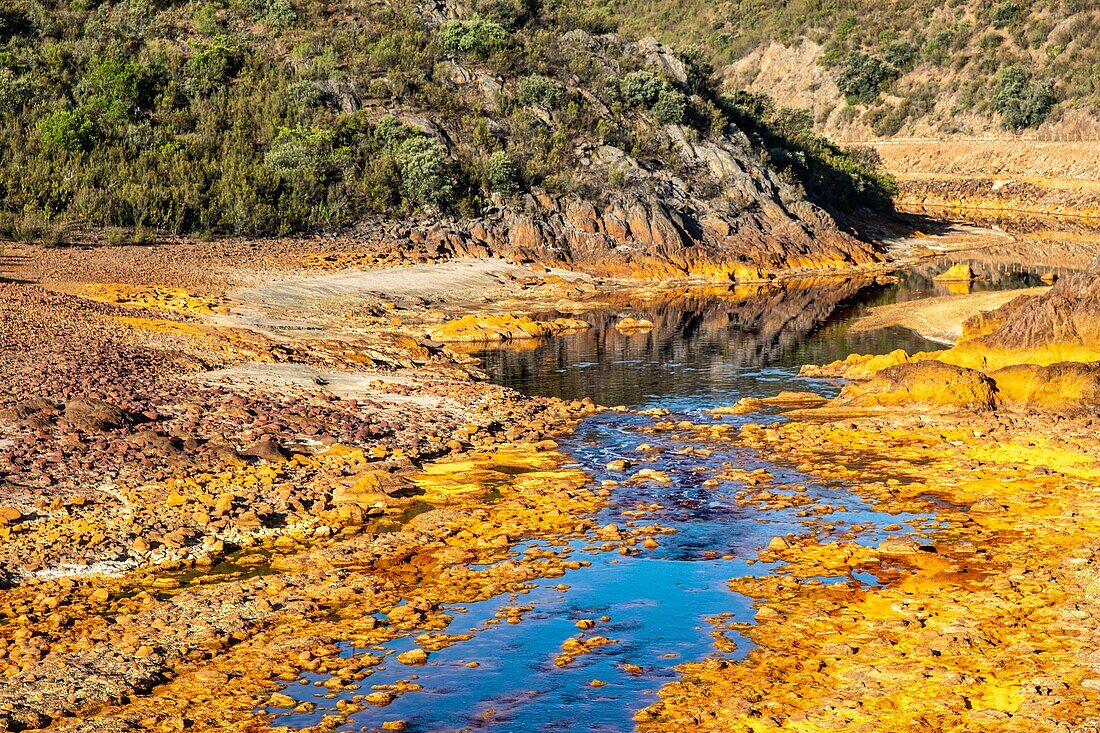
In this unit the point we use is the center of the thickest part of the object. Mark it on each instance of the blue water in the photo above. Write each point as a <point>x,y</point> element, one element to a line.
<point>659,600</point>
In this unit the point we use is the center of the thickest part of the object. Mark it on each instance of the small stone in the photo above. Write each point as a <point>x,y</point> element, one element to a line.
<point>778,544</point>
<point>279,700</point>
<point>413,657</point>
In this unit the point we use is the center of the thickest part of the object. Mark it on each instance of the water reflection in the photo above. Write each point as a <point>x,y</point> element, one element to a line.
<point>705,344</point>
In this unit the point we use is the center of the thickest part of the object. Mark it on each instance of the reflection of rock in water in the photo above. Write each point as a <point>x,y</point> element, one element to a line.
<point>1042,245</point>
<point>694,336</point>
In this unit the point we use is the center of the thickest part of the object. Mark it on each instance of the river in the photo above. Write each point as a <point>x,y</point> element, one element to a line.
<point>667,604</point>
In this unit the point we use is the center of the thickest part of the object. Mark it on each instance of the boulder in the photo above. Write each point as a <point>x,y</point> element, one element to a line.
<point>94,415</point>
<point>930,384</point>
<point>961,272</point>
<point>1066,386</point>
<point>373,488</point>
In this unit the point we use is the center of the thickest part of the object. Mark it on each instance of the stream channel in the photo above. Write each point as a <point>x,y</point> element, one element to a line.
<point>664,603</point>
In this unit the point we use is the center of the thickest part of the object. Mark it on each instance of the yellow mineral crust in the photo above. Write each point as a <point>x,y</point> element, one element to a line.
<point>158,297</point>
<point>507,327</point>
<point>301,611</point>
<point>984,623</point>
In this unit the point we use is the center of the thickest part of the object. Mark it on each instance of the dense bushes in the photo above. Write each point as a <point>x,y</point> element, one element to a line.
<point>863,77</point>
<point>1022,101</point>
<point>539,91</point>
<point>251,116</point>
<point>477,38</point>
<point>645,89</point>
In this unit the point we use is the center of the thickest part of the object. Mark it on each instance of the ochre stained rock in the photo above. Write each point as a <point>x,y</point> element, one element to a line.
<point>931,384</point>
<point>961,272</point>
<point>507,327</point>
<point>1065,387</point>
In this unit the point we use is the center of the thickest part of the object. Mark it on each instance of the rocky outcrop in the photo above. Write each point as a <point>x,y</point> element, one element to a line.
<point>682,201</point>
<point>930,384</point>
<point>1067,315</point>
<point>756,229</point>
<point>1064,387</point>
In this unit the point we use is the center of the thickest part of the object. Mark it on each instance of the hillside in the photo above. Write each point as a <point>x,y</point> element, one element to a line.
<point>926,68</point>
<point>556,138</point>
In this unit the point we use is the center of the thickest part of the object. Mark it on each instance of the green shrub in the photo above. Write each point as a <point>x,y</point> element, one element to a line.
<point>501,173</point>
<point>670,107</point>
<point>426,178</point>
<point>272,13</point>
<point>1005,14</point>
<point>305,96</point>
<point>863,77</point>
<point>1022,101</point>
<point>211,65</point>
<point>67,129</point>
<point>510,14</point>
<point>301,151</point>
<point>389,131</point>
<point>14,91</point>
<point>641,88</point>
<point>539,91</point>
<point>476,38</point>
<point>205,20</point>
<point>112,90</point>
<point>990,41</point>
<point>902,55</point>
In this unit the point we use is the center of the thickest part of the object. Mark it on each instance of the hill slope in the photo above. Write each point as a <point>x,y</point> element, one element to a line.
<point>925,67</point>
<point>266,117</point>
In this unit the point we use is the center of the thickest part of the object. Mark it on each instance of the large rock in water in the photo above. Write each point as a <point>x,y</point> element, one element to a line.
<point>930,384</point>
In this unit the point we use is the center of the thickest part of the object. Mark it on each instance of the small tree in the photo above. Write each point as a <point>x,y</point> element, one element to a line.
<point>477,38</point>
<point>502,175</point>
<point>111,90</point>
<point>426,178</point>
<point>1022,102</point>
<point>863,77</point>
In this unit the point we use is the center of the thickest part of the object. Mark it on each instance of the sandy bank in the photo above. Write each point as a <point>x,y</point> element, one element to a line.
<point>450,280</point>
<point>940,318</point>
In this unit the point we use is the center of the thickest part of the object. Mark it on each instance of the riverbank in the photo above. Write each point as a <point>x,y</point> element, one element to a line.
<point>182,482</point>
<point>1003,179</point>
<point>941,318</point>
